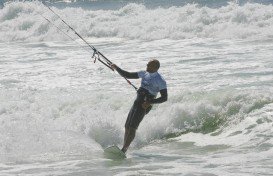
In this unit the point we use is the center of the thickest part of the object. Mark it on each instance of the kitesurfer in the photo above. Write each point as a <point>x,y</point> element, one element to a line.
<point>152,83</point>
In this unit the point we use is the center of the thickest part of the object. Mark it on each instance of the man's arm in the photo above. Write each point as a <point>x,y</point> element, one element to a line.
<point>162,98</point>
<point>129,75</point>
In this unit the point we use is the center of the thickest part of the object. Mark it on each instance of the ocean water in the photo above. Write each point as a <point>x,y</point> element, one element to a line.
<point>59,109</point>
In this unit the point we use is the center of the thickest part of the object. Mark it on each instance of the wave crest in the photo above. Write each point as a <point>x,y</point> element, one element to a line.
<point>202,113</point>
<point>22,22</point>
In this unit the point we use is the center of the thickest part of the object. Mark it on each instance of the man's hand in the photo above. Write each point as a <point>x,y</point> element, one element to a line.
<point>113,66</point>
<point>145,105</point>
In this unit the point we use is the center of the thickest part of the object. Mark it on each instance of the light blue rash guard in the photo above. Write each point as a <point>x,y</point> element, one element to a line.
<point>153,82</point>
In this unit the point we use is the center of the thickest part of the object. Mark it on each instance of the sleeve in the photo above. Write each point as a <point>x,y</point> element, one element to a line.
<point>141,74</point>
<point>129,75</point>
<point>162,84</point>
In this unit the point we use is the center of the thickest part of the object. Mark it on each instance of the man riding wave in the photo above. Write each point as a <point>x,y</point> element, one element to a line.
<point>151,83</point>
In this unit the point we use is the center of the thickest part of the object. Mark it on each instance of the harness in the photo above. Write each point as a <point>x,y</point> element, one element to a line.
<point>142,96</point>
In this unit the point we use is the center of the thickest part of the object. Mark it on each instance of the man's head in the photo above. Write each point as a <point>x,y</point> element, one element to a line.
<point>152,66</point>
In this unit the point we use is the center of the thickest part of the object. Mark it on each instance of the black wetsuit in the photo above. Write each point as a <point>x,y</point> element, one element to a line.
<point>137,112</point>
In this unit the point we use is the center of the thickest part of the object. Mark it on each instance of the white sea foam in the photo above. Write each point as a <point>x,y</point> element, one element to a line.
<point>21,22</point>
<point>33,125</point>
<point>58,121</point>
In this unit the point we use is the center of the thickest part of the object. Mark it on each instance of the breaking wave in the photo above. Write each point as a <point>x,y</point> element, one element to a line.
<point>21,21</point>
<point>203,113</point>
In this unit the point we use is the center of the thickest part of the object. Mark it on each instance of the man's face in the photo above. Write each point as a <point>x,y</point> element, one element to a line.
<point>151,67</point>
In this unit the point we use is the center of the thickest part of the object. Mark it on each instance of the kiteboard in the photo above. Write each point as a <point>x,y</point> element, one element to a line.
<point>113,152</point>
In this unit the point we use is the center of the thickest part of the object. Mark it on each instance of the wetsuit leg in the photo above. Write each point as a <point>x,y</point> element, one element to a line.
<point>135,116</point>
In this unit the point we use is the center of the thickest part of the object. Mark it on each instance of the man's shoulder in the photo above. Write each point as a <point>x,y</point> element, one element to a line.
<point>160,77</point>
<point>141,73</point>
<point>161,81</point>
